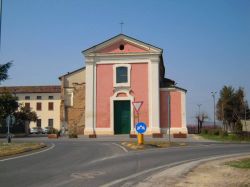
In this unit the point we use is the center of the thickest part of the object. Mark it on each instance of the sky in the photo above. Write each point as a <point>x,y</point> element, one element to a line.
<point>206,43</point>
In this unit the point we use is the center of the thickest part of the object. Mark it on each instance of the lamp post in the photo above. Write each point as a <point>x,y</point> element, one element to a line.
<point>213,95</point>
<point>199,114</point>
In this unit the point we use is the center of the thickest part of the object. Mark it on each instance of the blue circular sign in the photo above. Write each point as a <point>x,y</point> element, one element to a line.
<point>141,127</point>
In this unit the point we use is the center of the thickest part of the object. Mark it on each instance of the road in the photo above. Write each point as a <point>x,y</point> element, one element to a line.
<point>97,163</point>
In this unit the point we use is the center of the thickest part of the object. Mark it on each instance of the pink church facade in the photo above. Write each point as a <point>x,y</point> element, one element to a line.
<point>123,70</point>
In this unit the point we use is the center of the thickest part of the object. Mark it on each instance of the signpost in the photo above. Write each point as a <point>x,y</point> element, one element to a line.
<point>141,128</point>
<point>10,120</point>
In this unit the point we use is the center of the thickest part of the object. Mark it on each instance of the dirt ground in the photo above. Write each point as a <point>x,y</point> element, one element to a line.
<point>216,173</point>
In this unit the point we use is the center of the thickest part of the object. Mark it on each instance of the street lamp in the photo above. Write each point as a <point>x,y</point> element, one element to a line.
<point>199,106</point>
<point>213,95</point>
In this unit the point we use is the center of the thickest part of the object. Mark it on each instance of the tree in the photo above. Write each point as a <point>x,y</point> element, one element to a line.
<point>231,107</point>
<point>201,118</point>
<point>4,71</point>
<point>8,105</point>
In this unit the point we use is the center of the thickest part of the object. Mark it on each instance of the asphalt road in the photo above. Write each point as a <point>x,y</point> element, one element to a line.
<point>94,163</point>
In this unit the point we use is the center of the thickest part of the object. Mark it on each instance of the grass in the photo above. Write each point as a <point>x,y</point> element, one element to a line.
<point>230,137</point>
<point>8,149</point>
<point>244,163</point>
<point>151,144</point>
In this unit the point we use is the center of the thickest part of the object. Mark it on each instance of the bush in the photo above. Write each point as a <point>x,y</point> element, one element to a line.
<point>53,131</point>
<point>73,135</point>
<point>223,133</point>
<point>204,131</point>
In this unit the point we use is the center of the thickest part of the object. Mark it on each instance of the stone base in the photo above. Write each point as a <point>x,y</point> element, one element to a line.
<point>179,135</point>
<point>92,136</point>
<point>133,136</point>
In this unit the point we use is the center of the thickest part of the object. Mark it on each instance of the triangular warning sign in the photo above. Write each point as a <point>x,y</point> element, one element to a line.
<point>137,105</point>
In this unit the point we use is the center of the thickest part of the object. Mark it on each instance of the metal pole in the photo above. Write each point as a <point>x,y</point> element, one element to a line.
<point>1,13</point>
<point>169,121</point>
<point>213,95</point>
<point>199,105</point>
<point>246,115</point>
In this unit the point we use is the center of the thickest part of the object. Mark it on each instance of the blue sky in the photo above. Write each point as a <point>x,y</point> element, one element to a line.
<point>206,43</point>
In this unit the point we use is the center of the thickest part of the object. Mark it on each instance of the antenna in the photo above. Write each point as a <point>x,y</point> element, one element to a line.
<point>121,23</point>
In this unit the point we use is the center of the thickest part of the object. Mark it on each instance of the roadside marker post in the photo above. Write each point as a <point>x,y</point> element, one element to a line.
<point>141,128</point>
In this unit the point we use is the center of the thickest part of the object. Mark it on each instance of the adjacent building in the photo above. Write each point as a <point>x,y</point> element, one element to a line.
<point>44,100</point>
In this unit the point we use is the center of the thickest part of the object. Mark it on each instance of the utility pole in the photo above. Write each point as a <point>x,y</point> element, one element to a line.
<point>1,13</point>
<point>213,95</point>
<point>199,114</point>
<point>246,115</point>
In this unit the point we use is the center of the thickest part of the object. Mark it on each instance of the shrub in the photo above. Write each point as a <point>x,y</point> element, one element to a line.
<point>53,131</point>
<point>73,135</point>
<point>204,131</point>
<point>223,133</point>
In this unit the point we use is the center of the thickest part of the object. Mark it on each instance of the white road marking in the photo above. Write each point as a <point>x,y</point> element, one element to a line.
<point>167,166</point>
<point>26,155</point>
<point>123,148</point>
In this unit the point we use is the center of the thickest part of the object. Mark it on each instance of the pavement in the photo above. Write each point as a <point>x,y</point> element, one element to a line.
<point>102,161</point>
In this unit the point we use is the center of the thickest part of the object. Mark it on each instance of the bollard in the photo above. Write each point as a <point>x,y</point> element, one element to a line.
<point>140,138</point>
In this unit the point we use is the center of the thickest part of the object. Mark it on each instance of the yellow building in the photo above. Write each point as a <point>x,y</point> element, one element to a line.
<point>44,100</point>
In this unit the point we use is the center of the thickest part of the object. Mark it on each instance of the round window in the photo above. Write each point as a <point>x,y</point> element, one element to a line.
<point>121,47</point>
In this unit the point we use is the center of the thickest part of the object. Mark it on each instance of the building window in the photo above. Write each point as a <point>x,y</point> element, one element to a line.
<point>39,123</point>
<point>27,105</point>
<point>38,106</point>
<point>38,97</point>
<point>51,97</point>
<point>27,97</point>
<point>51,106</point>
<point>50,122</point>
<point>121,75</point>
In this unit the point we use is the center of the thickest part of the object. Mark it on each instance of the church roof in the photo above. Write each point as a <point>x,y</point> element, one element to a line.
<point>148,47</point>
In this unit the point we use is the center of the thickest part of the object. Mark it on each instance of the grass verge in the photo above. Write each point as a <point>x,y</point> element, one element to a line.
<point>8,149</point>
<point>151,144</point>
<point>244,163</point>
<point>230,137</point>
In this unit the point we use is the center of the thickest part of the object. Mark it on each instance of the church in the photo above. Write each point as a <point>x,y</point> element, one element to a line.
<point>119,74</point>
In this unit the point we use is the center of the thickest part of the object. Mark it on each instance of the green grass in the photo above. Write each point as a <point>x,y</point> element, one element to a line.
<point>230,137</point>
<point>244,163</point>
<point>8,149</point>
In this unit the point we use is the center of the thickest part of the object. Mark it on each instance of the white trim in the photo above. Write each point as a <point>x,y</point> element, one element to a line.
<point>183,110</point>
<point>122,61</point>
<point>154,96</point>
<point>127,84</point>
<point>115,98</point>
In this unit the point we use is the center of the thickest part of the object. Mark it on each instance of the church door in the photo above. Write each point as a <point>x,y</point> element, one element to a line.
<point>122,117</point>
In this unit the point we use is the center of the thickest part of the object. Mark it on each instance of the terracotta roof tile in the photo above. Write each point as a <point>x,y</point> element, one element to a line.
<point>31,89</point>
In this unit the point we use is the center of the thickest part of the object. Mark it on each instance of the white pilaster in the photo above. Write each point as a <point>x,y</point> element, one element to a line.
<point>183,111</point>
<point>154,95</point>
<point>89,97</point>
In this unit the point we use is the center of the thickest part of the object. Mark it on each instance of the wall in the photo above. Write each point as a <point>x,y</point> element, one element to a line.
<point>176,110</point>
<point>104,90</point>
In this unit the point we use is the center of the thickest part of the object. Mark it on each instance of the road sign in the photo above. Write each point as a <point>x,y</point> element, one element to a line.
<point>10,120</point>
<point>141,127</point>
<point>137,105</point>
